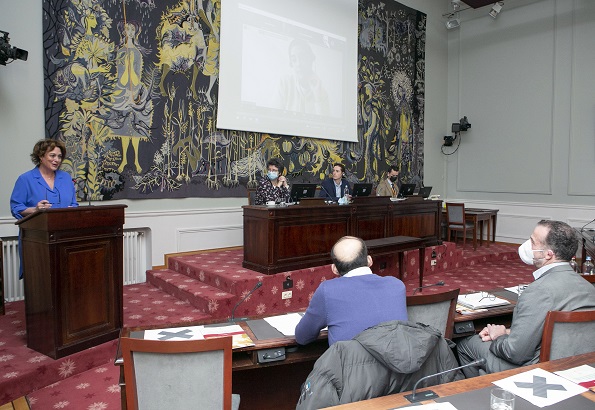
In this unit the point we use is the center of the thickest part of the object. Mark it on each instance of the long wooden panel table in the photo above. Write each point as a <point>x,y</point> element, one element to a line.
<point>283,238</point>
<point>476,383</point>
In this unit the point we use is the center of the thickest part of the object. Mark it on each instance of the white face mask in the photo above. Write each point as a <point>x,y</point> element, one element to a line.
<point>272,175</point>
<point>526,253</point>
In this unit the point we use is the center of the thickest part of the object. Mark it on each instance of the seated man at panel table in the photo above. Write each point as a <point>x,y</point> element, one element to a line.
<point>334,188</point>
<point>353,302</point>
<point>389,185</point>
<point>556,287</point>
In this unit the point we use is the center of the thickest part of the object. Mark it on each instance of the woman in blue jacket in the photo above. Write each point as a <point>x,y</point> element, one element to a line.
<point>45,186</point>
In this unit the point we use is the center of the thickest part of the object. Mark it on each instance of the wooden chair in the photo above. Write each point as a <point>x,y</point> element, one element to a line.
<point>455,221</point>
<point>251,196</point>
<point>190,374</point>
<point>437,310</point>
<point>567,334</point>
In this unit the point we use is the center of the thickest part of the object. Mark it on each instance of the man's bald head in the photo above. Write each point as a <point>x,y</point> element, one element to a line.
<point>350,253</point>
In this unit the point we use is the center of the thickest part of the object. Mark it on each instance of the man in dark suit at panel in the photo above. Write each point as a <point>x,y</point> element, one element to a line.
<point>334,187</point>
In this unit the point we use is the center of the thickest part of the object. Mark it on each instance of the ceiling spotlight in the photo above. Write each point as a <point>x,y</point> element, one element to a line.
<point>452,23</point>
<point>496,8</point>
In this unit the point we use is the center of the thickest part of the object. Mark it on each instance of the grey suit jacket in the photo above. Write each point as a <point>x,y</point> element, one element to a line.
<point>560,288</point>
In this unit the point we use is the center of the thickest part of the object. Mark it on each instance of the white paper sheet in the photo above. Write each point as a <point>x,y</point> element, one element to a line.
<point>479,300</point>
<point>285,323</point>
<point>431,406</point>
<point>527,385</point>
<point>175,333</point>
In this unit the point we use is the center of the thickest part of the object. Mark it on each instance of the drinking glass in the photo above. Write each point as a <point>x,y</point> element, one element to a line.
<point>501,399</point>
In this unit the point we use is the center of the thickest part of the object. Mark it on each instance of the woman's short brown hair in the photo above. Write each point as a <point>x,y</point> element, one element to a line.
<point>43,146</point>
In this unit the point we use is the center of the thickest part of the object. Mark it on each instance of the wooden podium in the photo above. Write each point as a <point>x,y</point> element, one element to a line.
<point>72,267</point>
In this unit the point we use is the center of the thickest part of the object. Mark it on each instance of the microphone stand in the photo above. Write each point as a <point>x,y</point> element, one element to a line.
<point>233,311</point>
<point>429,394</point>
<point>441,283</point>
<point>330,197</point>
<point>587,224</point>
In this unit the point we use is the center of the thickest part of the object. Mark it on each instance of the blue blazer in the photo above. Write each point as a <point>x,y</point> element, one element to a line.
<point>328,189</point>
<point>30,188</point>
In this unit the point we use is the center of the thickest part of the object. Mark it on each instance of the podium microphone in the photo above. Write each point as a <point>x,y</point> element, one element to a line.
<point>429,394</point>
<point>587,224</point>
<point>233,311</point>
<point>441,283</point>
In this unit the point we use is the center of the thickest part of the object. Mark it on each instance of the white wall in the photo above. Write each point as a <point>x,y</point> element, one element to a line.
<point>525,81</point>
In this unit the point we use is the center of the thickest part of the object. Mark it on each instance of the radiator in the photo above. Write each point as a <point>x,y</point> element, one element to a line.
<point>135,263</point>
<point>13,287</point>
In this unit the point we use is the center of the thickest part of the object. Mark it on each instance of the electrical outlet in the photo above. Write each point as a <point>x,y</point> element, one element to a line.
<point>288,283</point>
<point>286,294</point>
<point>383,265</point>
<point>434,261</point>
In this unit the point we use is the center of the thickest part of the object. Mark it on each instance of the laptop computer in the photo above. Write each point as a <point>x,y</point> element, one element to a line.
<point>424,192</point>
<point>362,189</point>
<point>299,191</point>
<point>406,190</point>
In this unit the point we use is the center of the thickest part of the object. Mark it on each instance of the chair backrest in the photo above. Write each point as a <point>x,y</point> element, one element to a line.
<point>192,374</point>
<point>567,334</point>
<point>251,196</point>
<point>455,214</point>
<point>589,278</point>
<point>437,310</point>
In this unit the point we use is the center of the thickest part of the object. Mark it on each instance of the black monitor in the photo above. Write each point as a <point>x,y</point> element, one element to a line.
<point>406,190</point>
<point>362,189</point>
<point>299,191</point>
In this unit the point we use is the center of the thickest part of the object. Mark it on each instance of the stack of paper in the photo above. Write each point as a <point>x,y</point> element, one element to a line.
<point>479,300</point>
<point>239,336</point>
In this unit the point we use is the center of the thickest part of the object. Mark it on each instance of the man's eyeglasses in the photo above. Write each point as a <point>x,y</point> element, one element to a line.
<point>484,295</point>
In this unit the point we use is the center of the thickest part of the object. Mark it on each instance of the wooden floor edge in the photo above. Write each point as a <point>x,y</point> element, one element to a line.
<point>19,404</point>
<point>170,255</point>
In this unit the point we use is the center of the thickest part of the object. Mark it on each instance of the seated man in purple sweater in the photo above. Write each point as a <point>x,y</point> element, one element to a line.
<point>353,302</point>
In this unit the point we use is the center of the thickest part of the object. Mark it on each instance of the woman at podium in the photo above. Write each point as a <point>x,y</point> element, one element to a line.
<point>45,186</point>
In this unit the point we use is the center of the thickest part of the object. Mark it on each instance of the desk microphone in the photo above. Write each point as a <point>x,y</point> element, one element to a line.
<point>441,283</point>
<point>588,223</point>
<point>330,197</point>
<point>429,394</point>
<point>233,311</point>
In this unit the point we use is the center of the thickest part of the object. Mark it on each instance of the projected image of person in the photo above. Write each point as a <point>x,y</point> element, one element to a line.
<point>302,90</point>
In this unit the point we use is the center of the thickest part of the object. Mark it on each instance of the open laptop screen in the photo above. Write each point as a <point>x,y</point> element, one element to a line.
<point>406,190</point>
<point>299,191</point>
<point>362,189</point>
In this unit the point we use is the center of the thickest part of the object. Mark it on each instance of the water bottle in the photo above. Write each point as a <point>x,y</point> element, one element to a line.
<point>574,265</point>
<point>346,192</point>
<point>588,267</point>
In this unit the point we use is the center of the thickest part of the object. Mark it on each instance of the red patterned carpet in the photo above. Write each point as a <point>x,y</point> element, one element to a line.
<point>89,380</point>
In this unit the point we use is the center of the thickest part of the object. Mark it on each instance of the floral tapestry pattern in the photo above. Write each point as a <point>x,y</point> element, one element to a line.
<point>131,88</point>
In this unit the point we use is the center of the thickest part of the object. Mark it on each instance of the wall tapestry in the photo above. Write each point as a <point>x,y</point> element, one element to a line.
<point>131,88</point>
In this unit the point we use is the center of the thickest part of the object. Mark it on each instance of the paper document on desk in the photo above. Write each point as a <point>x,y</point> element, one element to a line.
<point>540,388</point>
<point>175,333</point>
<point>481,300</point>
<point>582,375</point>
<point>285,323</point>
<point>431,406</point>
<point>237,333</point>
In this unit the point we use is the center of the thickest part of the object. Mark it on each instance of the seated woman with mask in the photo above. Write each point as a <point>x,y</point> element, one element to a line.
<point>274,186</point>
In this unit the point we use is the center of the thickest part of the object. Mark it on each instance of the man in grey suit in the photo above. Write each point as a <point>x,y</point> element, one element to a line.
<point>556,287</point>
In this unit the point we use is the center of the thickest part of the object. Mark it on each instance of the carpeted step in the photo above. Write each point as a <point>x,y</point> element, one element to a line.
<point>207,299</point>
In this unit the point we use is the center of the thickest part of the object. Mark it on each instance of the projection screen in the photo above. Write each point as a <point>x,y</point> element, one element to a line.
<point>289,67</point>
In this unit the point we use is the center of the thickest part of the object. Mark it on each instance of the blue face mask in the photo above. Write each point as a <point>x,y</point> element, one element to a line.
<point>272,175</point>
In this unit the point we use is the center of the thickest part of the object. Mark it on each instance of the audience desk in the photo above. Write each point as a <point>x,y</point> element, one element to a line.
<point>587,242</point>
<point>283,378</point>
<point>464,386</point>
<point>284,238</point>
